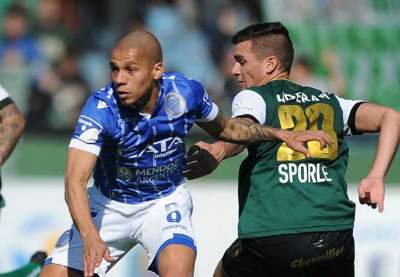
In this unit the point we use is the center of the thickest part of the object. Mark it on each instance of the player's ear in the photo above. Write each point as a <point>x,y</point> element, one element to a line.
<point>158,70</point>
<point>271,64</point>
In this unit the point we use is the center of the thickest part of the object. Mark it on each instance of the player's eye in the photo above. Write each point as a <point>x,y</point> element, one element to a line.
<point>131,69</point>
<point>113,68</point>
<point>241,61</point>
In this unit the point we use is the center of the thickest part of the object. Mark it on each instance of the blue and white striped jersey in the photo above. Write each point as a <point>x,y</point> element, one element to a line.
<point>141,156</point>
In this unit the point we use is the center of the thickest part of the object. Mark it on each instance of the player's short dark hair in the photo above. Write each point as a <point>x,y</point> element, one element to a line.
<point>16,9</point>
<point>269,38</point>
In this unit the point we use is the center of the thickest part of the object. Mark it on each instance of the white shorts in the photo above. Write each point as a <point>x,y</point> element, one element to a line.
<point>153,224</point>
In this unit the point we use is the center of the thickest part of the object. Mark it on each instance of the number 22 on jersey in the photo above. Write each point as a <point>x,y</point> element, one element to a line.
<point>318,116</point>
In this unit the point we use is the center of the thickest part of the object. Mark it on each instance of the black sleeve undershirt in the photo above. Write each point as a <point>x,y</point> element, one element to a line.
<point>351,122</point>
<point>249,117</point>
<point>5,102</point>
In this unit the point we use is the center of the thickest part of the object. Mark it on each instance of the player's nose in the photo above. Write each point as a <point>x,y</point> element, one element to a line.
<point>119,78</point>
<point>235,71</point>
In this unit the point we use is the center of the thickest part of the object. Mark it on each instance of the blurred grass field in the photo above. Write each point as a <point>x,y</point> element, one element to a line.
<point>46,156</point>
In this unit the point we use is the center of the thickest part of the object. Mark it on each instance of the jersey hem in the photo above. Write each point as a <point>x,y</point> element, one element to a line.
<point>5,101</point>
<point>78,144</point>
<point>211,115</point>
<point>296,231</point>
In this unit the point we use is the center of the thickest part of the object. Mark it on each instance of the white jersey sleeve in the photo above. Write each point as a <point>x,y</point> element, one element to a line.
<point>249,102</point>
<point>4,97</point>
<point>3,93</point>
<point>95,122</point>
<point>349,108</point>
<point>206,109</point>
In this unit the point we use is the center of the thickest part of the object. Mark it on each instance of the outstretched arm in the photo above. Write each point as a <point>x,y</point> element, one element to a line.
<point>246,131</point>
<point>80,165</point>
<point>12,124</point>
<point>202,161</point>
<point>375,118</point>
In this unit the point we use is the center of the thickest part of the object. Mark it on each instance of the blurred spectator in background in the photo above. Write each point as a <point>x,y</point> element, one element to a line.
<point>194,34</point>
<point>229,18</point>
<point>320,10</point>
<point>95,38</point>
<point>57,97</point>
<point>49,29</point>
<point>17,47</point>
<point>185,46</point>
<point>20,58</point>
<point>304,73</point>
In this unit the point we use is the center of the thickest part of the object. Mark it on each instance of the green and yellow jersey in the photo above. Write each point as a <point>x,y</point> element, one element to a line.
<point>280,190</point>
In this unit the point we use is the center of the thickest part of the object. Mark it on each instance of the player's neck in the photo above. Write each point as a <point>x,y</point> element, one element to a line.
<point>149,100</point>
<point>275,76</point>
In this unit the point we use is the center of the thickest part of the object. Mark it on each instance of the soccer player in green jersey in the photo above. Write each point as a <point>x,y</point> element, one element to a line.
<point>295,218</point>
<point>12,123</point>
<point>31,269</point>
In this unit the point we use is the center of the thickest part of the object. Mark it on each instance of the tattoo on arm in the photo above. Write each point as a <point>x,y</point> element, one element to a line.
<point>238,130</point>
<point>11,126</point>
<point>245,131</point>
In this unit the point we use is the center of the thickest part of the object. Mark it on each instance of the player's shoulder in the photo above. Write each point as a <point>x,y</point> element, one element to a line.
<point>247,93</point>
<point>180,79</point>
<point>106,93</point>
<point>182,84</point>
<point>100,109</point>
<point>173,76</point>
<point>103,98</point>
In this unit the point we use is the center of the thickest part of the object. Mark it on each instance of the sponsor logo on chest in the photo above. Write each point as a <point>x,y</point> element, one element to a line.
<point>303,173</point>
<point>161,148</point>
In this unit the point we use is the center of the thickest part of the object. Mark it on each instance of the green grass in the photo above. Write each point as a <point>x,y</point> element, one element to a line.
<point>41,156</point>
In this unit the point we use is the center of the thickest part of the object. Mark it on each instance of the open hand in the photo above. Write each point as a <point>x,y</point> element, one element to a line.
<point>296,140</point>
<point>94,250</point>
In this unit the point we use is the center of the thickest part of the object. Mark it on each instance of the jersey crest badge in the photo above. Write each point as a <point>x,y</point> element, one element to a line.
<point>175,105</point>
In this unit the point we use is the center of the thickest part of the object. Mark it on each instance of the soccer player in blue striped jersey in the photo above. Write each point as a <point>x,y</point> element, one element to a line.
<point>130,134</point>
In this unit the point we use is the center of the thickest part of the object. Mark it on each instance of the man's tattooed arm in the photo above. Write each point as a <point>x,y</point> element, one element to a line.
<point>12,124</point>
<point>246,131</point>
<point>239,130</point>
